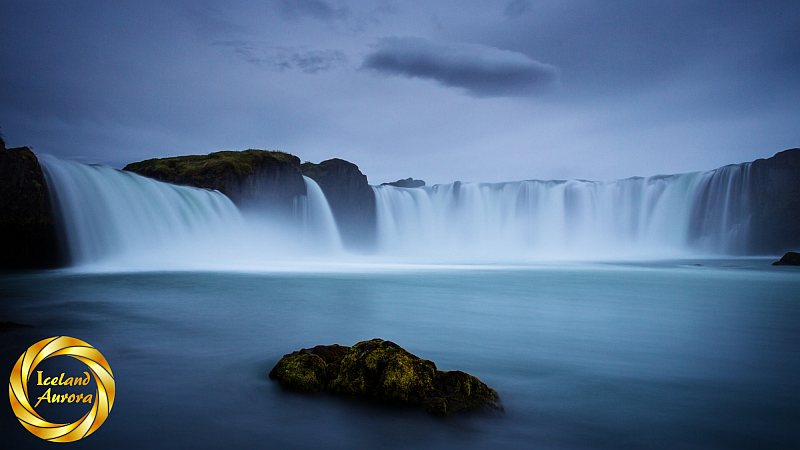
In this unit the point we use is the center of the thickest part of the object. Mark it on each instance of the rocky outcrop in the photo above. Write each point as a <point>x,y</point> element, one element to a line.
<point>775,203</point>
<point>28,234</point>
<point>789,259</point>
<point>350,197</point>
<point>383,371</point>
<point>251,178</point>
<point>406,183</point>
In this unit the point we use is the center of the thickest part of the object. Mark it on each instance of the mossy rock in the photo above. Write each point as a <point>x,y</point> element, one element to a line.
<point>215,170</point>
<point>251,178</point>
<point>383,371</point>
<point>198,168</point>
<point>307,370</point>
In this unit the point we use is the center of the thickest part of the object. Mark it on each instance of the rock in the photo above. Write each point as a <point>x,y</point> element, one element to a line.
<point>789,259</point>
<point>351,199</point>
<point>383,371</point>
<point>250,178</point>
<point>406,183</point>
<point>775,203</point>
<point>309,369</point>
<point>28,230</point>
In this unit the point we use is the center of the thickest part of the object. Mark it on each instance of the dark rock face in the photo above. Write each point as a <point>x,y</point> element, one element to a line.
<point>406,183</point>
<point>789,259</point>
<point>251,178</point>
<point>28,235</point>
<point>775,203</point>
<point>350,197</point>
<point>383,371</point>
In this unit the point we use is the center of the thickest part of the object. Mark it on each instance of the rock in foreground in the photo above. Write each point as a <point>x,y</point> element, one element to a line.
<point>789,259</point>
<point>383,371</point>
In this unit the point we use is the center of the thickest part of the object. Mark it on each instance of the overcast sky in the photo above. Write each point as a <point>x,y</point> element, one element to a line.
<point>438,90</point>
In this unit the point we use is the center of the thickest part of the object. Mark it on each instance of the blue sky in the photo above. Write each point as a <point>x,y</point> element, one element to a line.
<point>443,91</point>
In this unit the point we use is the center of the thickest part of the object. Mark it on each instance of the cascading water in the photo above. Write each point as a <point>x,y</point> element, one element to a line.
<point>657,216</point>
<point>316,218</point>
<point>113,219</point>
<point>108,214</point>
<point>722,210</point>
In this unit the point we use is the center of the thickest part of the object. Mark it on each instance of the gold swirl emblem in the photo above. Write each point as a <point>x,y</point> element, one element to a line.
<point>103,398</point>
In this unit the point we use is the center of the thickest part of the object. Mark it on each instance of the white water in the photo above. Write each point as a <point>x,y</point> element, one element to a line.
<point>664,216</point>
<point>117,220</point>
<point>319,226</point>
<point>108,214</point>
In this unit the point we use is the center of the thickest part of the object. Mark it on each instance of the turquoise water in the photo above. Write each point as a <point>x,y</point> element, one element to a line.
<point>662,355</point>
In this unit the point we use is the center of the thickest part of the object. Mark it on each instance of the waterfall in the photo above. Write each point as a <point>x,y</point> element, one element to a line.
<point>721,210</point>
<point>316,218</point>
<point>108,214</point>
<point>660,216</point>
<point>112,219</point>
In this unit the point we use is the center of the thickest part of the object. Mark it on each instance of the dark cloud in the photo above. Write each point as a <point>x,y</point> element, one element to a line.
<point>616,47</point>
<point>517,8</point>
<point>483,71</point>
<point>285,58</point>
<point>316,9</point>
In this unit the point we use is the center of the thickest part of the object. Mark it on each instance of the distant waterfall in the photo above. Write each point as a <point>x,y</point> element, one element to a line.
<point>721,211</point>
<point>657,216</point>
<point>107,213</point>
<point>316,216</point>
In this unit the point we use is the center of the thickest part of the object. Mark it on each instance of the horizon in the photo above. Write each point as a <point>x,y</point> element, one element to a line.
<point>478,91</point>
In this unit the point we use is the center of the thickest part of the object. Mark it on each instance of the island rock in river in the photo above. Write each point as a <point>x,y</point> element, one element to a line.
<point>789,259</point>
<point>383,371</point>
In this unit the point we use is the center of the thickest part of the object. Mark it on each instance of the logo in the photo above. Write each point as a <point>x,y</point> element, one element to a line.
<point>61,389</point>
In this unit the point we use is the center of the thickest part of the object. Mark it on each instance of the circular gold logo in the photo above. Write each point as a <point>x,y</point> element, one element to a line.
<point>102,400</point>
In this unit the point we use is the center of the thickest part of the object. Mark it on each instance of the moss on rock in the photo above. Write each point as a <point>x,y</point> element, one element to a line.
<point>305,372</point>
<point>383,371</point>
<point>195,169</point>
<point>251,178</point>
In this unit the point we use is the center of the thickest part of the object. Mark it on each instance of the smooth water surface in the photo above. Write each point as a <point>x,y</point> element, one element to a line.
<point>668,355</point>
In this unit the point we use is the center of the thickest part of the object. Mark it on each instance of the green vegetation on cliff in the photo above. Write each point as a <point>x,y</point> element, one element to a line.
<point>248,177</point>
<point>194,170</point>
